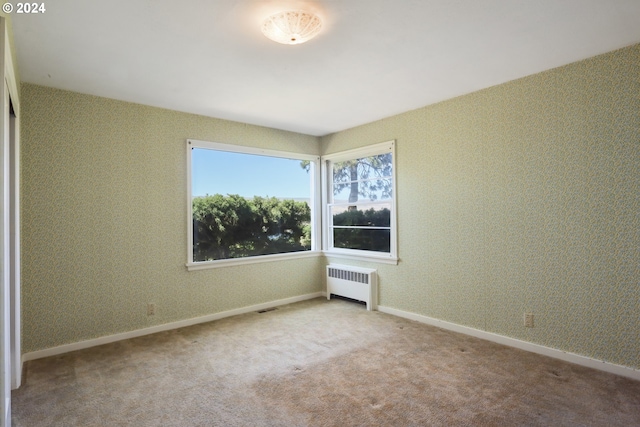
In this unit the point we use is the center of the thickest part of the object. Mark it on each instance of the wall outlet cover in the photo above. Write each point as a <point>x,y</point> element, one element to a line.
<point>528,320</point>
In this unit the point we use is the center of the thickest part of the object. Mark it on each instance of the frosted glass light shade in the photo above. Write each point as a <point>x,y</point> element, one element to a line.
<point>292,27</point>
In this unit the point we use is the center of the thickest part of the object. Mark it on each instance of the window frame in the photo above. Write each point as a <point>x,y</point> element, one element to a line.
<point>327,184</point>
<point>314,201</point>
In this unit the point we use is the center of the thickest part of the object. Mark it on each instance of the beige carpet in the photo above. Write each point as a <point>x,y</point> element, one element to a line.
<point>317,363</point>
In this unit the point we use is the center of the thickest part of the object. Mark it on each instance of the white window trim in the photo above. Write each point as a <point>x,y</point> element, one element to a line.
<point>355,254</point>
<point>315,199</point>
<point>205,265</point>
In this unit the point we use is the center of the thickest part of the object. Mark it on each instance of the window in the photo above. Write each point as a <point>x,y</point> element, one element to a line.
<point>360,206</point>
<point>249,205</point>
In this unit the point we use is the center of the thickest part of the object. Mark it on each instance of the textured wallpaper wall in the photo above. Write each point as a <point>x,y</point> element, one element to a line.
<point>104,219</point>
<point>524,197</point>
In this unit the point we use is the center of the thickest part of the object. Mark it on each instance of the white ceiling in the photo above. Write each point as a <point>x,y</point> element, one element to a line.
<point>373,58</point>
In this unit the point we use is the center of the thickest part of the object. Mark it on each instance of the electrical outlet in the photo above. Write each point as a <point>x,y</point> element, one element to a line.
<point>528,320</point>
<point>151,309</point>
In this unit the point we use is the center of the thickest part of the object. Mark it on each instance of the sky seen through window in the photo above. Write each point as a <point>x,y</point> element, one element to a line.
<point>247,175</point>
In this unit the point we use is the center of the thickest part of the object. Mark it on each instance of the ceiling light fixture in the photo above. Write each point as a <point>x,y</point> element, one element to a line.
<point>292,27</point>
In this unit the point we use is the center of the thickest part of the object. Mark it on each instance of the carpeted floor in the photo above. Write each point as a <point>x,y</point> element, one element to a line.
<point>317,363</point>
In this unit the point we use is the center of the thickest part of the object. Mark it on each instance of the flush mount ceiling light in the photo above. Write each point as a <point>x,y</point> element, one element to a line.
<point>292,27</point>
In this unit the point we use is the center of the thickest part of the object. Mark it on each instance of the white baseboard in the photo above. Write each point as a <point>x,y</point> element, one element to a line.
<point>500,339</point>
<point>601,365</point>
<point>54,351</point>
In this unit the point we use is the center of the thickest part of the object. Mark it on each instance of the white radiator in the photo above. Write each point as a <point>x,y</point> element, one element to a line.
<point>353,282</point>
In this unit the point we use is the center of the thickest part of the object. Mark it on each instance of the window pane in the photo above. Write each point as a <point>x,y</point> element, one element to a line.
<point>363,168</point>
<point>362,239</point>
<point>247,205</point>
<point>223,172</point>
<point>362,215</point>
<point>365,178</point>
<point>364,190</point>
<point>358,219</point>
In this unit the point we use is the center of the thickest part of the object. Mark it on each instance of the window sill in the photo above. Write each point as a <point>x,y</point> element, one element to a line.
<point>194,266</point>
<point>362,256</point>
